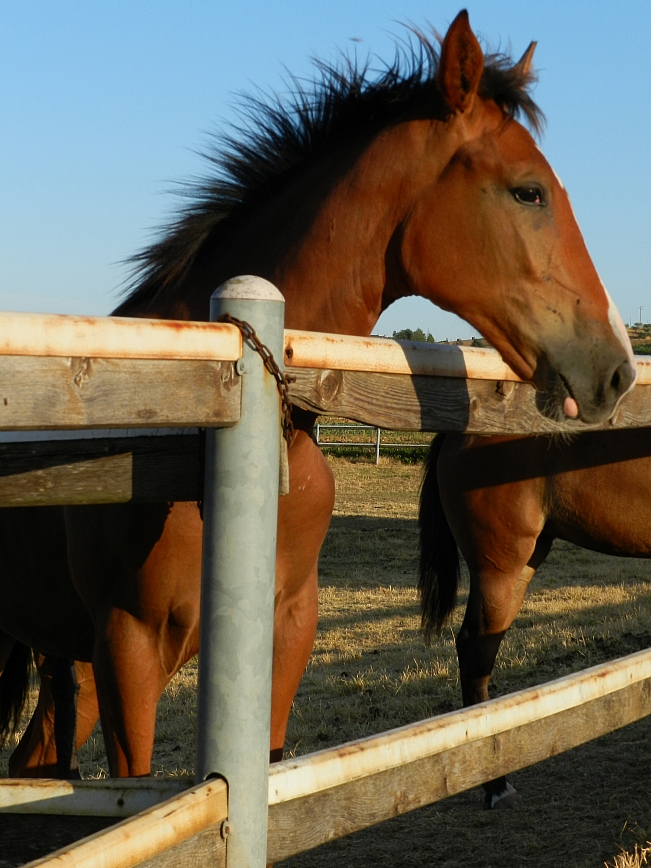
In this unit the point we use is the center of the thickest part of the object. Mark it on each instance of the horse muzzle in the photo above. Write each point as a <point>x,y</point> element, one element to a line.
<point>575,386</point>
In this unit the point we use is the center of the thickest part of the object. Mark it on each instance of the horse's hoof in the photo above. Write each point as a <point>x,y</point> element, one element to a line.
<point>508,800</point>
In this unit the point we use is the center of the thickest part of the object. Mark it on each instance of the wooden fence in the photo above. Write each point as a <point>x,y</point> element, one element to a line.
<point>401,386</point>
<point>108,375</point>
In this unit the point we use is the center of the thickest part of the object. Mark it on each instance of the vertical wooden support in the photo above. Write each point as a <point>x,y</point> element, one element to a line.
<point>238,579</point>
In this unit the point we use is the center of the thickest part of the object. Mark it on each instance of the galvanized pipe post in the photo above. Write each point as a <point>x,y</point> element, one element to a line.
<point>238,579</point>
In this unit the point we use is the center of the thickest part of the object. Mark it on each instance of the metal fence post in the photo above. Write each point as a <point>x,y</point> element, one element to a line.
<point>377,446</point>
<point>238,580</point>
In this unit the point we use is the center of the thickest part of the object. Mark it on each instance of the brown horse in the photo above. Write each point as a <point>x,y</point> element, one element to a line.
<point>360,192</point>
<point>503,501</point>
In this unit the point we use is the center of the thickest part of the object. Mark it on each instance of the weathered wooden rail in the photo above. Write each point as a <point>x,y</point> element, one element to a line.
<point>431,388</point>
<point>107,376</point>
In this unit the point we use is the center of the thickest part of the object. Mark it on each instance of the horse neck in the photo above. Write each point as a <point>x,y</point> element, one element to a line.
<point>339,273</point>
<point>347,268</point>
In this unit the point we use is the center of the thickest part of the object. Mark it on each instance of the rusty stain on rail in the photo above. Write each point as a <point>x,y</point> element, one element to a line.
<point>295,778</point>
<point>29,334</point>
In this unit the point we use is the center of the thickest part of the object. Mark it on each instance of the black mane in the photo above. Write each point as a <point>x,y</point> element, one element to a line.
<point>343,104</point>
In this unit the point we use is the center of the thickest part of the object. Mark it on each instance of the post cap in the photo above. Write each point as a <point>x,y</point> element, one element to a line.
<point>247,286</point>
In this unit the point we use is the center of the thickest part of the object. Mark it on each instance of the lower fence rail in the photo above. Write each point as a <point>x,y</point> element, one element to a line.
<point>326,795</point>
<point>110,797</point>
<point>329,794</point>
<point>186,829</point>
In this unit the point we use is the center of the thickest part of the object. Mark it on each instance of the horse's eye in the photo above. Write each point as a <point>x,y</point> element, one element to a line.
<point>528,195</point>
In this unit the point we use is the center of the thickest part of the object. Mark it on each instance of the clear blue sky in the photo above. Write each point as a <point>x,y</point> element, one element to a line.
<point>105,104</point>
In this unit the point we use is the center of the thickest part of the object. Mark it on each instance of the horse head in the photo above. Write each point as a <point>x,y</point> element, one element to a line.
<point>356,192</point>
<point>491,235</point>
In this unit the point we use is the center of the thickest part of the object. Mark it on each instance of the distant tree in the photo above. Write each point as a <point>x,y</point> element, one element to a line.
<point>417,335</point>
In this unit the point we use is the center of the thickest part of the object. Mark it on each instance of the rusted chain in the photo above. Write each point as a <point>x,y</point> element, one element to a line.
<point>249,333</point>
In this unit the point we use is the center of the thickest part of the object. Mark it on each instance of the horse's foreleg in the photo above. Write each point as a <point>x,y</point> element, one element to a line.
<point>65,691</point>
<point>303,519</point>
<point>126,664</point>
<point>87,705</point>
<point>294,631</point>
<point>492,605</point>
<point>137,568</point>
<point>75,712</point>
<point>494,601</point>
<point>499,529</point>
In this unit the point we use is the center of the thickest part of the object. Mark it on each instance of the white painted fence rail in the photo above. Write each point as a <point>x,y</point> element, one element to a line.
<point>387,356</point>
<point>33,334</point>
<point>307,775</point>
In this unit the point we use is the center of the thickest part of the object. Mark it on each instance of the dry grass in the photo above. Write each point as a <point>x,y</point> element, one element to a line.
<point>370,671</point>
<point>636,859</point>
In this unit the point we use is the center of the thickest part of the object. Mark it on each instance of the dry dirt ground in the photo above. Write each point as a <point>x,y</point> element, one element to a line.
<point>371,671</point>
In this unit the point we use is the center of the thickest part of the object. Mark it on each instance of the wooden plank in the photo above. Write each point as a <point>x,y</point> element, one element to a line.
<point>421,403</point>
<point>49,393</point>
<point>112,797</point>
<point>50,334</point>
<point>306,822</point>
<point>153,832</point>
<point>205,850</point>
<point>107,470</point>
<point>154,469</point>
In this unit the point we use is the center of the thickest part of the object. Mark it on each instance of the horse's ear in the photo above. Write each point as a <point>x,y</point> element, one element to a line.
<point>523,66</point>
<point>461,65</point>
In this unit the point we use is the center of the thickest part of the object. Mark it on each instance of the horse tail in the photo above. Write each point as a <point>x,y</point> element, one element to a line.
<point>439,570</point>
<point>14,684</point>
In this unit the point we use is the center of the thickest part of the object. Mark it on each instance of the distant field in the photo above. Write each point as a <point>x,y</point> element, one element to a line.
<point>370,671</point>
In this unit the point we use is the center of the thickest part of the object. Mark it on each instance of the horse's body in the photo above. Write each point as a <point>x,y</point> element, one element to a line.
<point>421,183</point>
<point>504,500</point>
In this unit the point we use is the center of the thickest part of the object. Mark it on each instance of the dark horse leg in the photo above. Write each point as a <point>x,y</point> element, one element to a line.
<point>499,530</point>
<point>40,608</point>
<point>64,717</point>
<point>65,690</point>
<point>58,678</point>
<point>493,603</point>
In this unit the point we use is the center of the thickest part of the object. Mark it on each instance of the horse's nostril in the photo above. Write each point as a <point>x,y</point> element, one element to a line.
<point>622,378</point>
